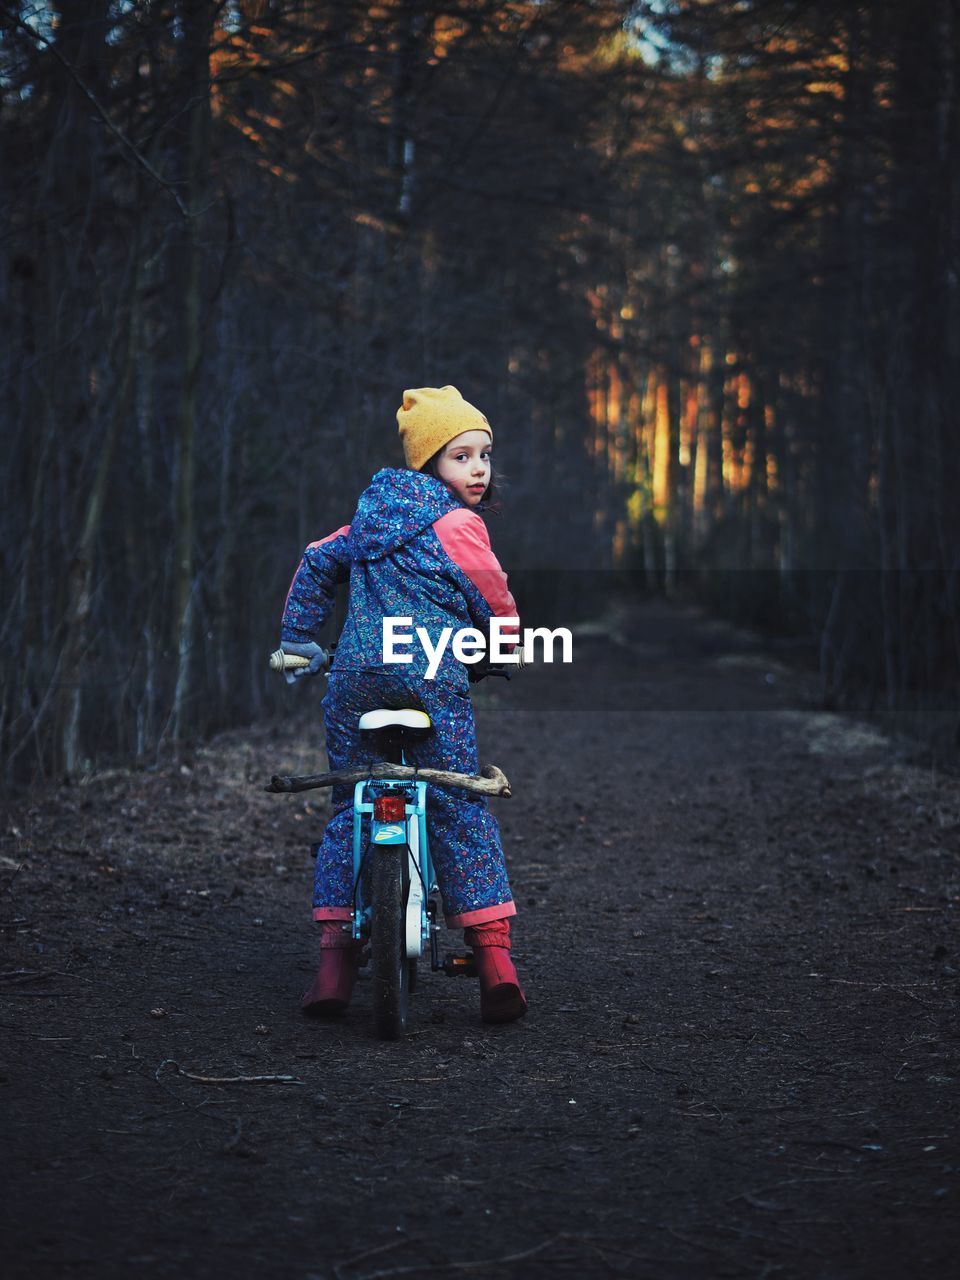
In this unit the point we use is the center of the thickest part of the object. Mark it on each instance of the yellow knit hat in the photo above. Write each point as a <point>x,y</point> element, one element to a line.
<point>431,417</point>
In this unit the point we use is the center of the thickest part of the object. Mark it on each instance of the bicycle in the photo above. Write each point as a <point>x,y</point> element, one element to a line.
<point>395,890</point>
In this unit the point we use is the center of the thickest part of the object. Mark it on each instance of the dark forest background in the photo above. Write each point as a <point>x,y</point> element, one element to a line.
<point>697,260</point>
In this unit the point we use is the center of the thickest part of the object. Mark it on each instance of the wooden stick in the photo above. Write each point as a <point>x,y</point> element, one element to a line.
<point>487,1265</point>
<point>491,781</point>
<point>190,1075</point>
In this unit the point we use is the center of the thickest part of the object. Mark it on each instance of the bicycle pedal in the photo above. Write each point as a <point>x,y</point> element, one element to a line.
<point>459,966</point>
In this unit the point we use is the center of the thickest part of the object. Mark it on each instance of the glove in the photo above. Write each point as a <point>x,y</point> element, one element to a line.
<point>318,659</point>
<point>477,671</point>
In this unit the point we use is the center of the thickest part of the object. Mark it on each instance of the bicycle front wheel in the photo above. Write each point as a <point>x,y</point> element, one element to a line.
<point>391,971</point>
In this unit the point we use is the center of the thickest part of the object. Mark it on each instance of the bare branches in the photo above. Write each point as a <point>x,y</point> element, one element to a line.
<point>128,147</point>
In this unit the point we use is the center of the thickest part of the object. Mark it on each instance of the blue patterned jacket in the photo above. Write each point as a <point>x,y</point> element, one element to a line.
<point>412,550</point>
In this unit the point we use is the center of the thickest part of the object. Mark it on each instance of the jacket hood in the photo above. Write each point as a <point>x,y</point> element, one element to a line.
<point>393,509</point>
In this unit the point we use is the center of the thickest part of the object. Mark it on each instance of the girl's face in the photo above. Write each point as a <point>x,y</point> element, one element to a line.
<point>464,466</point>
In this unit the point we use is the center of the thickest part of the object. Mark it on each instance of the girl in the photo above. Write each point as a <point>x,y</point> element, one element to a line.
<point>416,548</point>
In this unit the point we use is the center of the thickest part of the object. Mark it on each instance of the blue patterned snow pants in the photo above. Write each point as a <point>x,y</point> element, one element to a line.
<point>464,835</point>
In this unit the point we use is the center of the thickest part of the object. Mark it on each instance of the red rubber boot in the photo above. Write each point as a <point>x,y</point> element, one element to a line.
<point>501,996</point>
<point>339,960</point>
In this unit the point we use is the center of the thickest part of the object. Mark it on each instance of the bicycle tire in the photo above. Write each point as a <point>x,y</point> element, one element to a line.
<point>391,972</point>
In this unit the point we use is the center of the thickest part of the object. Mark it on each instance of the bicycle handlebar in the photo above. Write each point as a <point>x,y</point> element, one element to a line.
<point>505,669</point>
<point>280,661</point>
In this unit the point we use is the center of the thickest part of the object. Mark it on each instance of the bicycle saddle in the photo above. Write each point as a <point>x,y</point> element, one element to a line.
<point>406,719</point>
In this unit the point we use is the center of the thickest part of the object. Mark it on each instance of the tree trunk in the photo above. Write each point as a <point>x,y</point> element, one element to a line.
<point>197,20</point>
<point>80,579</point>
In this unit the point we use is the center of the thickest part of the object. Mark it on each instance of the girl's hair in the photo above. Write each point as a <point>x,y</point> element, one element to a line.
<point>491,497</point>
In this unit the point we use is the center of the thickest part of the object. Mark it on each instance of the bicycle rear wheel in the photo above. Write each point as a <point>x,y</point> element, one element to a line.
<point>391,971</point>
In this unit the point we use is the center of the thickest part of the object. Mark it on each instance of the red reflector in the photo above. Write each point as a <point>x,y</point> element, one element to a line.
<point>389,808</point>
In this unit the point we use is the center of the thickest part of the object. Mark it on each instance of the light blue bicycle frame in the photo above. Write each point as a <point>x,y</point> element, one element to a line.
<point>415,817</point>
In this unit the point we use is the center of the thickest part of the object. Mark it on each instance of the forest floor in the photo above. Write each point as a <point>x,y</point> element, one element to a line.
<point>737,929</point>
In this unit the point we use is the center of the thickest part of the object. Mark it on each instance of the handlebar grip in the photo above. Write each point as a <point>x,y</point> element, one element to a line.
<point>280,661</point>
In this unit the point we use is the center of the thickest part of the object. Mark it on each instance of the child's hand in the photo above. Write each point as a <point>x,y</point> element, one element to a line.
<point>318,659</point>
<point>477,671</point>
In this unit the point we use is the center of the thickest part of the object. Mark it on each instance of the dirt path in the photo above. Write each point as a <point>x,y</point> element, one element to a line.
<point>738,933</point>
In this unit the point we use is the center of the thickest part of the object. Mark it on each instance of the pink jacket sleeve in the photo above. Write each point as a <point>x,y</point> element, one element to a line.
<point>464,538</point>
